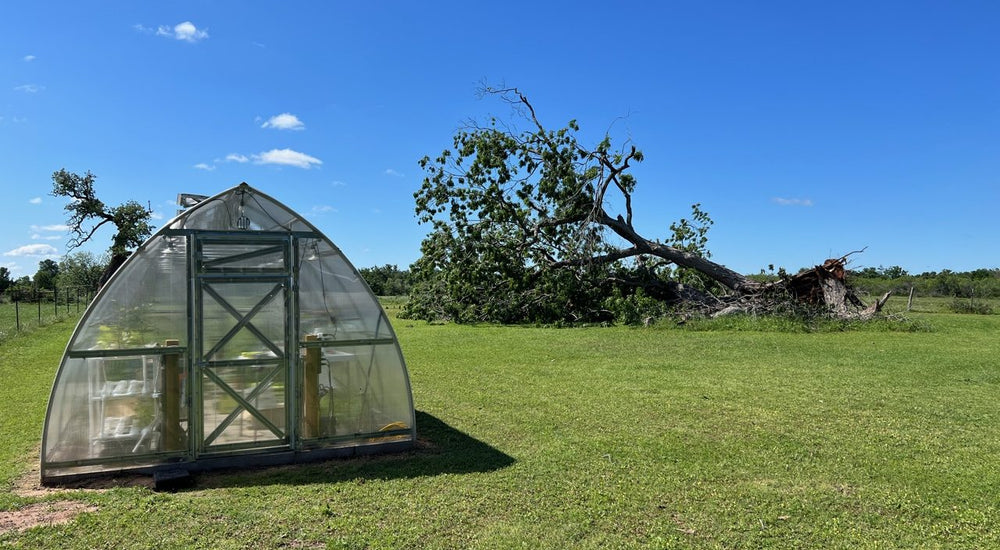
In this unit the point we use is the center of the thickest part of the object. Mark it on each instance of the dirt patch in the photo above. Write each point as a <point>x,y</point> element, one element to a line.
<point>40,513</point>
<point>29,485</point>
<point>43,513</point>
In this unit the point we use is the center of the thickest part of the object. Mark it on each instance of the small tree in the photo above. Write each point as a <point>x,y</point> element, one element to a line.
<point>82,270</point>
<point>386,280</point>
<point>5,280</point>
<point>22,289</point>
<point>45,277</point>
<point>88,214</point>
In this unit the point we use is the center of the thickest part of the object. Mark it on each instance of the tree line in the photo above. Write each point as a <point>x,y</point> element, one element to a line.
<point>978,283</point>
<point>79,271</point>
<point>83,271</point>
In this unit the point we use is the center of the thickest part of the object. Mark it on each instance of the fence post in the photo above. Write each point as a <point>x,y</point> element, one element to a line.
<point>55,302</point>
<point>38,300</point>
<point>17,314</point>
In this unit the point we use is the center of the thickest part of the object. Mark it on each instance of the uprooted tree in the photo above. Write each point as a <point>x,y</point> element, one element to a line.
<point>88,214</point>
<point>524,229</point>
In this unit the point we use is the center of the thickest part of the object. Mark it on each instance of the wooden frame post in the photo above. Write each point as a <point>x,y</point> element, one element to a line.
<point>172,434</point>
<point>310,389</point>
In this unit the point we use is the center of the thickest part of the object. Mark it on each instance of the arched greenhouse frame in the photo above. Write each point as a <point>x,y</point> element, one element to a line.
<point>238,334</point>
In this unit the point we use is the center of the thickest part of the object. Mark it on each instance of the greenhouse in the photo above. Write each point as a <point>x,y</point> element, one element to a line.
<point>238,334</point>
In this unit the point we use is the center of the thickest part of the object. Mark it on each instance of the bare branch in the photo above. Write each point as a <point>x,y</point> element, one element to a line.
<point>80,238</point>
<point>602,259</point>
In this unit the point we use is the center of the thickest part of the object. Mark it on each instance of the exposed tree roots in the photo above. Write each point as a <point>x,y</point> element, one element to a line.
<point>820,291</point>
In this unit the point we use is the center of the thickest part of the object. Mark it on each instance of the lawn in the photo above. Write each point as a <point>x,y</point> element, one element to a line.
<point>601,437</point>
<point>27,316</point>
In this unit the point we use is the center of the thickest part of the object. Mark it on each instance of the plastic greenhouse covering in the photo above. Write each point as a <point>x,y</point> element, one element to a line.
<point>236,331</point>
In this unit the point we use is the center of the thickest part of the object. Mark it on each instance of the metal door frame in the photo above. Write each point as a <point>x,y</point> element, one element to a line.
<point>206,272</point>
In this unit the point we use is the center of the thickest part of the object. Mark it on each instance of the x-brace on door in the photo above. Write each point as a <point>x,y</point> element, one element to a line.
<point>244,347</point>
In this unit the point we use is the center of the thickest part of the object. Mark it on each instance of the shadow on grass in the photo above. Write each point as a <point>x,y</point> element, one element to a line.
<point>440,449</point>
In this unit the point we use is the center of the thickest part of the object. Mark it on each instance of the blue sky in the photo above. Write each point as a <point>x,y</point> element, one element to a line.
<point>805,129</point>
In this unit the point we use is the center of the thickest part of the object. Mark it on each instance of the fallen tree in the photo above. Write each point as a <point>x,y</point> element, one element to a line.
<point>823,287</point>
<point>524,229</point>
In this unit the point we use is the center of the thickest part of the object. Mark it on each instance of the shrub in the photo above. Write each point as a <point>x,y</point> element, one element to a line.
<point>959,305</point>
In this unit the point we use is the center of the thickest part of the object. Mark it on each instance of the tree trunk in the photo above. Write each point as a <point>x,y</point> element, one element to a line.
<point>825,285</point>
<point>116,261</point>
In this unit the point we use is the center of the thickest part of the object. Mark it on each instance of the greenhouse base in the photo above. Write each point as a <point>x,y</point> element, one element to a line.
<point>72,475</point>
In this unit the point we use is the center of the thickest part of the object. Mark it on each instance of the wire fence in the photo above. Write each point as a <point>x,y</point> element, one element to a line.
<point>23,310</point>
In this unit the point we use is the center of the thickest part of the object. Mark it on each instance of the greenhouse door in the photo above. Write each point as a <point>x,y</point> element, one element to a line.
<point>242,328</point>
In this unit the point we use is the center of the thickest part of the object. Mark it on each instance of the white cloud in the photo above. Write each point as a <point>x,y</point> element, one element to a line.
<point>203,166</point>
<point>29,58</point>
<point>37,237</point>
<point>391,172</point>
<point>793,202</point>
<point>286,157</point>
<point>33,250</point>
<point>36,200</point>
<point>236,157</point>
<point>53,227</point>
<point>29,88</point>
<point>323,209</point>
<point>156,216</point>
<point>185,31</point>
<point>284,121</point>
<point>338,183</point>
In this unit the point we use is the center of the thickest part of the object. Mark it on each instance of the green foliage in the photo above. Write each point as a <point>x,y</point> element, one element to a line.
<point>961,305</point>
<point>45,277</point>
<point>891,272</point>
<point>692,236</point>
<point>21,289</point>
<point>5,280</point>
<point>469,282</point>
<point>130,219</point>
<point>386,280</point>
<point>520,232</point>
<point>979,283</point>
<point>635,308</point>
<point>81,270</point>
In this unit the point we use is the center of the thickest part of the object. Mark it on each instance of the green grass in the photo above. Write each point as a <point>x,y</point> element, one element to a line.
<point>607,437</point>
<point>29,316</point>
<point>28,363</point>
<point>931,304</point>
